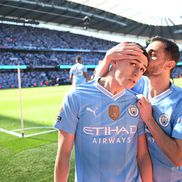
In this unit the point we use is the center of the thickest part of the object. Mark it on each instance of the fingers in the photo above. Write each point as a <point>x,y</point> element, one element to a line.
<point>129,48</point>
<point>143,102</point>
<point>132,46</point>
<point>123,56</point>
<point>125,51</point>
<point>139,104</point>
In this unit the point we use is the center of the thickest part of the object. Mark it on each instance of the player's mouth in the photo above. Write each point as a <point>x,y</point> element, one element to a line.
<point>132,81</point>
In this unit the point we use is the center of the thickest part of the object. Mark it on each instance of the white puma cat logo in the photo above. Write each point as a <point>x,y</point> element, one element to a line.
<point>91,110</point>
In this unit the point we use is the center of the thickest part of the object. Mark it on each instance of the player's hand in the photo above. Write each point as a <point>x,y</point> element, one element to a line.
<point>124,51</point>
<point>145,108</point>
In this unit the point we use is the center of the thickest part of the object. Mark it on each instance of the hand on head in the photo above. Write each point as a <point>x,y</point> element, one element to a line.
<point>124,51</point>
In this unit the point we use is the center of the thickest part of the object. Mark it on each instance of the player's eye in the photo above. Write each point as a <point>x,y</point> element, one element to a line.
<point>142,70</point>
<point>133,64</point>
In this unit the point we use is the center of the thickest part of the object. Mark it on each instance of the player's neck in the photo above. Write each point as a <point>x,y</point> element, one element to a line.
<point>110,84</point>
<point>159,84</point>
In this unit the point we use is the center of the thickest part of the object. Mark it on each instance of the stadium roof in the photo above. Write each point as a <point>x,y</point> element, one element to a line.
<point>160,13</point>
<point>106,15</point>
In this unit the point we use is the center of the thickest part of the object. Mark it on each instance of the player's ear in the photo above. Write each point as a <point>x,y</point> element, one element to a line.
<point>170,64</point>
<point>113,63</point>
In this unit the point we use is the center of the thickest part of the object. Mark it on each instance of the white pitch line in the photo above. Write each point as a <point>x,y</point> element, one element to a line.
<point>11,132</point>
<point>38,127</point>
<point>28,135</point>
<point>40,133</point>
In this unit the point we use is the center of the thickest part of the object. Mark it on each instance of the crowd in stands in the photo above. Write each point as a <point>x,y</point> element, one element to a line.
<point>177,73</point>
<point>9,79</point>
<point>26,36</point>
<point>47,58</point>
<point>33,47</point>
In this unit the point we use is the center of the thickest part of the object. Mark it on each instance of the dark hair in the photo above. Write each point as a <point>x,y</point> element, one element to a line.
<point>78,58</point>
<point>143,49</point>
<point>171,48</point>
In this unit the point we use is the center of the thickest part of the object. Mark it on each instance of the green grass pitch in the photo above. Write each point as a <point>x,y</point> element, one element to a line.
<point>31,159</point>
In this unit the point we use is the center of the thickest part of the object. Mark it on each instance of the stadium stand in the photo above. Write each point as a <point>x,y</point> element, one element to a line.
<point>43,51</point>
<point>30,37</point>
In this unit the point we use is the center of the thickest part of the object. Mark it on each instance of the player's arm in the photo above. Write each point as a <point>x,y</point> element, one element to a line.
<point>122,51</point>
<point>71,74</point>
<point>71,77</point>
<point>170,146</point>
<point>143,159</point>
<point>86,76</point>
<point>65,145</point>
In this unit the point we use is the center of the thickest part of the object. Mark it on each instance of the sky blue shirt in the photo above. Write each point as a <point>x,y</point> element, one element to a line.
<point>77,71</point>
<point>142,86</point>
<point>106,129</point>
<point>167,112</point>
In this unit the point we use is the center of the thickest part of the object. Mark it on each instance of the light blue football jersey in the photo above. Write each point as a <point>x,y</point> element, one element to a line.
<point>106,128</point>
<point>142,86</point>
<point>167,112</point>
<point>77,70</point>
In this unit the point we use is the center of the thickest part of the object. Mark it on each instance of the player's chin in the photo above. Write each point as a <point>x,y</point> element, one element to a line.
<point>131,83</point>
<point>130,86</point>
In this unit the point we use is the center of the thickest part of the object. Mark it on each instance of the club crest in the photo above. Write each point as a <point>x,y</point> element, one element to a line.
<point>164,120</point>
<point>133,110</point>
<point>114,112</point>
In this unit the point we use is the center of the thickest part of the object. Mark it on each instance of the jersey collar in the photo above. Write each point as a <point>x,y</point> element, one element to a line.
<point>107,93</point>
<point>162,95</point>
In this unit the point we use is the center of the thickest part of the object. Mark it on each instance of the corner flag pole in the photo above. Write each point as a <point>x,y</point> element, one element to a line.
<point>20,97</point>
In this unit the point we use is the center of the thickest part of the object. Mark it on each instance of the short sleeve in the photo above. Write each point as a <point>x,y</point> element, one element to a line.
<point>71,70</point>
<point>85,69</point>
<point>177,124</point>
<point>67,118</point>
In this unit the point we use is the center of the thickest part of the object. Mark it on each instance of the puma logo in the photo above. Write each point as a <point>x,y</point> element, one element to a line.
<point>91,110</point>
